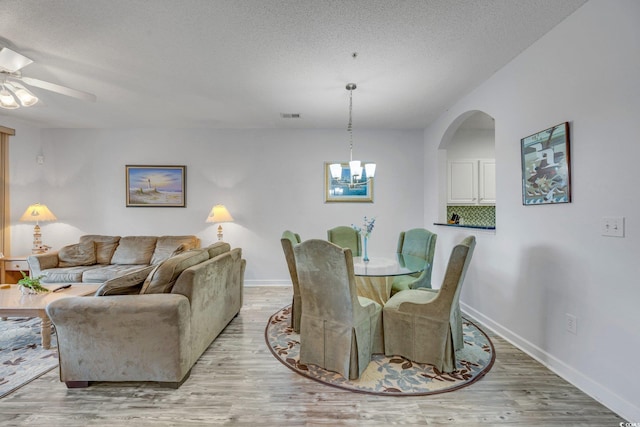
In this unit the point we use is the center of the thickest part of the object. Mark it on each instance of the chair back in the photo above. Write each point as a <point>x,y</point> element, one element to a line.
<point>327,281</point>
<point>288,240</point>
<point>449,293</point>
<point>346,237</point>
<point>421,243</point>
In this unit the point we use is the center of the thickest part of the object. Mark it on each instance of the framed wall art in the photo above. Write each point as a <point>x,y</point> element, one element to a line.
<point>546,174</point>
<point>156,186</point>
<point>346,189</point>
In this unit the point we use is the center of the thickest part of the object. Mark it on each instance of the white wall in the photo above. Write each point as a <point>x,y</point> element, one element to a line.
<point>472,144</point>
<point>546,261</point>
<point>270,180</point>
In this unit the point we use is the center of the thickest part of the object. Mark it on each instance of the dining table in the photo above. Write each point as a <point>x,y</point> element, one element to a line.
<point>374,277</point>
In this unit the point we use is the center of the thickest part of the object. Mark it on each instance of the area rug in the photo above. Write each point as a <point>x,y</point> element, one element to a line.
<point>387,375</point>
<point>22,358</point>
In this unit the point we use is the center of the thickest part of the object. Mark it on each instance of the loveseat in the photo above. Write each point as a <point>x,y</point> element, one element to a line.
<point>182,305</point>
<point>98,258</point>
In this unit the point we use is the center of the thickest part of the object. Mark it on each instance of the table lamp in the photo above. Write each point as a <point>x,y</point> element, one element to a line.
<point>38,213</point>
<point>219,214</point>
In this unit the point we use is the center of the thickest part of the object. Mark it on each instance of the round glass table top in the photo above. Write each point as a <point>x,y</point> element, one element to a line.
<point>392,265</point>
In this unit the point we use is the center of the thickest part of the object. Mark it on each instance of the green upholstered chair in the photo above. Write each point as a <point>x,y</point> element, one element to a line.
<point>346,237</point>
<point>339,330</point>
<point>288,240</point>
<point>422,324</point>
<point>420,243</point>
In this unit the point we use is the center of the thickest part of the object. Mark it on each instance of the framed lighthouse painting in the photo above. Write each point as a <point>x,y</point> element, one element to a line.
<point>156,186</point>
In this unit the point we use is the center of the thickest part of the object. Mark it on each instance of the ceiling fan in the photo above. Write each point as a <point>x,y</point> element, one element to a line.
<point>12,83</point>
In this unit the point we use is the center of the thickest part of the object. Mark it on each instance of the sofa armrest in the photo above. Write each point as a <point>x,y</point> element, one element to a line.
<point>40,262</point>
<point>123,338</point>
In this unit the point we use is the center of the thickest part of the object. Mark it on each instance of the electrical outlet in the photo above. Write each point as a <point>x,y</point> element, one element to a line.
<point>613,226</point>
<point>572,323</point>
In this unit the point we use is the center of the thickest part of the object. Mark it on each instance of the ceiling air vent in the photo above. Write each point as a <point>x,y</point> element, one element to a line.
<point>290,115</point>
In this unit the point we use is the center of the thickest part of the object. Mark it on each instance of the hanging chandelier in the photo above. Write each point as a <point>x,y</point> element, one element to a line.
<point>358,175</point>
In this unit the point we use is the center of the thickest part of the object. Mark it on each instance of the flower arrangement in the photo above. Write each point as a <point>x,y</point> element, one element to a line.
<point>367,228</point>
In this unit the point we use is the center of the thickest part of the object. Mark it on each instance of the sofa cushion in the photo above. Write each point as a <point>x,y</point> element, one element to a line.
<point>66,274</point>
<point>167,246</point>
<point>105,246</point>
<point>127,284</point>
<point>108,272</point>
<point>134,250</point>
<point>217,249</point>
<point>77,254</point>
<point>164,275</point>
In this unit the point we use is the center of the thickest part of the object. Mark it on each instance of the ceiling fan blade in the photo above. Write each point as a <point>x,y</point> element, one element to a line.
<point>12,61</point>
<point>86,96</point>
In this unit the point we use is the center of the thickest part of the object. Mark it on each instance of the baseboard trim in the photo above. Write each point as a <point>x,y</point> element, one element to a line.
<point>249,283</point>
<point>594,389</point>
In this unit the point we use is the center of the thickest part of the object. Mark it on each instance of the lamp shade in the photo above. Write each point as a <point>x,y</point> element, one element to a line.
<point>219,213</point>
<point>37,213</point>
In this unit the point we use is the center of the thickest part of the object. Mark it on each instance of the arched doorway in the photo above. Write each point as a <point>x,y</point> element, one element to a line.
<point>467,194</point>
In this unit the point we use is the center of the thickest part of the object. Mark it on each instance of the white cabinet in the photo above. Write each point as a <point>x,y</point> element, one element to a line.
<point>487,182</point>
<point>471,182</point>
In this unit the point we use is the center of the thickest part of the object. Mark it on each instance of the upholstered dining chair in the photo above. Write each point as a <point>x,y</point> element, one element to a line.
<point>346,237</point>
<point>339,330</point>
<point>420,243</point>
<point>422,324</point>
<point>288,240</point>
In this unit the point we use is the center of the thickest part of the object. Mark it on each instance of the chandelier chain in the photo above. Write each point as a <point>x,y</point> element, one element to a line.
<point>350,125</point>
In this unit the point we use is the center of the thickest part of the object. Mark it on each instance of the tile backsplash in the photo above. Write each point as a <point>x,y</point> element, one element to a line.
<point>474,215</point>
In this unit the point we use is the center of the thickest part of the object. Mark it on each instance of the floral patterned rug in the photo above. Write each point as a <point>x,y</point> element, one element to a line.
<point>388,375</point>
<point>22,358</point>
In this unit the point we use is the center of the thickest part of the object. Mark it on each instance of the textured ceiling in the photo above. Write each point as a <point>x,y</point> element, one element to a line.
<point>241,63</point>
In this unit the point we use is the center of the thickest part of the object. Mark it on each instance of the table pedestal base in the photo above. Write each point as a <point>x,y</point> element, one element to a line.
<point>375,288</point>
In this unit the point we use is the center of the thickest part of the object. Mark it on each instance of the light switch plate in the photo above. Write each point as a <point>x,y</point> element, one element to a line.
<point>612,226</point>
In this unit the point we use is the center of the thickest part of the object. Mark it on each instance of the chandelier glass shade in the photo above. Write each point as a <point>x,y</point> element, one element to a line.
<point>359,173</point>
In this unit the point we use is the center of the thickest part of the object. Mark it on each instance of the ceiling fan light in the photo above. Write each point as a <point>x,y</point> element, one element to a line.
<point>27,99</point>
<point>7,100</point>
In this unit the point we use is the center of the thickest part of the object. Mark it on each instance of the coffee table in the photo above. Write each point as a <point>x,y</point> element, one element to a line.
<point>14,304</point>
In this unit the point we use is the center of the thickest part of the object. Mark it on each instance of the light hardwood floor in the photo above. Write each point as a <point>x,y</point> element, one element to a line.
<point>238,382</point>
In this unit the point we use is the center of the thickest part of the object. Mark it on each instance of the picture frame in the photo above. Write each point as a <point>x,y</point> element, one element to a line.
<point>546,167</point>
<point>156,186</point>
<point>342,190</point>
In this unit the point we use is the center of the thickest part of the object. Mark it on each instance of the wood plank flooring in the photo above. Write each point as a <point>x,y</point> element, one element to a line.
<point>238,382</point>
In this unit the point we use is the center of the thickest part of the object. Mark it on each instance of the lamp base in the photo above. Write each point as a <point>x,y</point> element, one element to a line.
<point>38,247</point>
<point>219,232</point>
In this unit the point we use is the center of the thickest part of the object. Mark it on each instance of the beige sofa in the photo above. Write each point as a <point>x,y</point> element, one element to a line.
<point>185,302</point>
<point>98,258</point>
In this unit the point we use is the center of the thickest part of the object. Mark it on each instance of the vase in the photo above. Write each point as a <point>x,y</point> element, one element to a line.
<point>24,290</point>
<point>365,256</point>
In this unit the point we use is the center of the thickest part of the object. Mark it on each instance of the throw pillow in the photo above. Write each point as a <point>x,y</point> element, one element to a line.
<point>77,254</point>
<point>218,248</point>
<point>127,284</point>
<point>167,245</point>
<point>134,250</point>
<point>105,246</point>
<point>165,274</point>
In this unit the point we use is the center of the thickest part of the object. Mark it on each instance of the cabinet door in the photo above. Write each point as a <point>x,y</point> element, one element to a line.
<point>462,182</point>
<point>487,190</point>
